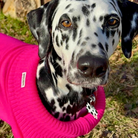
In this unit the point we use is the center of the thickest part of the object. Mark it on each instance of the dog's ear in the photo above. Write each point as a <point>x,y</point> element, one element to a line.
<point>39,21</point>
<point>129,25</point>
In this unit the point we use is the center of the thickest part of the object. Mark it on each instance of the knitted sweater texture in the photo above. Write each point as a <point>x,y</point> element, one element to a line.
<point>20,105</point>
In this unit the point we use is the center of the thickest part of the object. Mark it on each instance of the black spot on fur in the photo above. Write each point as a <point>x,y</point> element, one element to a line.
<point>107,34</point>
<point>61,42</point>
<point>65,70</point>
<point>67,46</point>
<point>101,46</point>
<point>53,108</point>
<point>41,61</point>
<point>87,38</point>
<point>65,38</point>
<point>63,109</point>
<point>95,34</point>
<point>71,10</point>
<point>74,19</point>
<point>62,119</point>
<point>80,34</point>
<point>78,41</point>
<point>68,87</point>
<point>73,57</point>
<point>57,42</point>
<point>53,34</point>
<point>101,18</point>
<point>106,46</point>
<point>117,30</point>
<point>85,11</point>
<point>73,98</point>
<point>72,110</point>
<point>83,43</point>
<point>56,115</point>
<point>55,56</point>
<point>74,29</point>
<point>93,45</point>
<point>113,42</point>
<point>58,68</point>
<point>52,102</point>
<point>74,33</point>
<point>88,22</point>
<point>57,28</point>
<point>69,109</point>
<point>89,107</point>
<point>54,78</point>
<point>42,71</point>
<point>103,53</point>
<point>79,53</point>
<point>94,19</point>
<point>62,101</point>
<point>93,5</point>
<point>88,53</point>
<point>78,18</point>
<point>87,92</point>
<point>67,118</point>
<point>64,114</point>
<point>112,33</point>
<point>119,33</point>
<point>68,6</point>
<point>88,6</point>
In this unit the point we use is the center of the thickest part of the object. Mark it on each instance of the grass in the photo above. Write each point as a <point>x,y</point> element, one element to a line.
<point>15,28</point>
<point>121,115</point>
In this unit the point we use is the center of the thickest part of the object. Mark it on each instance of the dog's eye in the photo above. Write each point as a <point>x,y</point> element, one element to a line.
<point>66,23</point>
<point>112,22</point>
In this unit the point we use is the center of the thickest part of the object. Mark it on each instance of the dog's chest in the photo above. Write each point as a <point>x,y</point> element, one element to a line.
<point>62,105</point>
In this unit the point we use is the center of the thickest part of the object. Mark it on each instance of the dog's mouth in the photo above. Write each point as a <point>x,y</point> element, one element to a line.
<point>86,83</point>
<point>90,94</point>
<point>89,82</point>
<point>89,87</point>
<point>89,71</point>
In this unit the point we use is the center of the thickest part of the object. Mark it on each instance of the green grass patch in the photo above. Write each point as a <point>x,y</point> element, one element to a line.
<point>16,28</point>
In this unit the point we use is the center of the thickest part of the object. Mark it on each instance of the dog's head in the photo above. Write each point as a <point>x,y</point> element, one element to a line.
<point>84,34</point>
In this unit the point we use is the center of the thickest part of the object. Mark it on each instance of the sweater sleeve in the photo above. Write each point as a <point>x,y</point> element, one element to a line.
<point>7,45</point>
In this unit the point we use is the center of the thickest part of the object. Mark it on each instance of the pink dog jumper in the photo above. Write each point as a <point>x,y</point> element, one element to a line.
<point>20,105</point>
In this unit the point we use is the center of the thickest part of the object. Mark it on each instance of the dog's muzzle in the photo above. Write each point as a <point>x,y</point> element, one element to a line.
<point>91,71</point>
<point>92,66</point>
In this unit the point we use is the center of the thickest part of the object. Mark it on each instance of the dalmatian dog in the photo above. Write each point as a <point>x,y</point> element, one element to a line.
<point>76,39</point>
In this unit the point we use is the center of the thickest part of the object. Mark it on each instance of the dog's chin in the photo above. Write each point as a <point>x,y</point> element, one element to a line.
<point>90,82</point>
<point>87,85</point>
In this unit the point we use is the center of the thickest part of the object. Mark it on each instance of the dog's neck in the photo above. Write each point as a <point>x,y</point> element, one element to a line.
<point>62,99</point>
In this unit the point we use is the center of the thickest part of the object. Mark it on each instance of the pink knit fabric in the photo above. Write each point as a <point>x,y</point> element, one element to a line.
<point>21,107</point>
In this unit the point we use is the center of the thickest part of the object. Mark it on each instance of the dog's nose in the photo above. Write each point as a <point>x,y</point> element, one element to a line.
<point>92,66</point>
